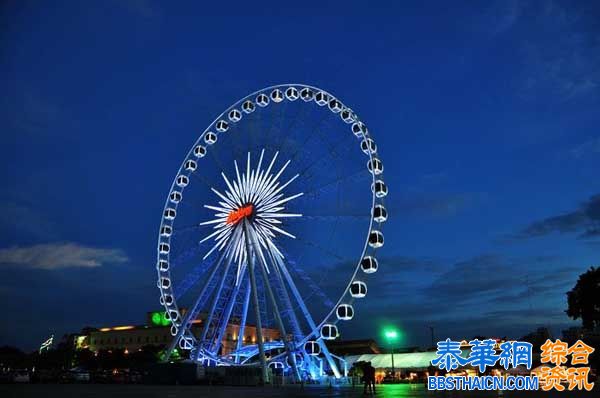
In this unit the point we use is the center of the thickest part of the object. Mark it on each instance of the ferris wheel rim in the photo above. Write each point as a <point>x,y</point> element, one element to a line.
<point>329,317</point>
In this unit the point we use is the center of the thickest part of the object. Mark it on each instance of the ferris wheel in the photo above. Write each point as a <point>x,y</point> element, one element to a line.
<point>272,223</point>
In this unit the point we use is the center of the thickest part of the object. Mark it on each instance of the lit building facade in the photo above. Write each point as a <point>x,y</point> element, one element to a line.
<point>157,331</point>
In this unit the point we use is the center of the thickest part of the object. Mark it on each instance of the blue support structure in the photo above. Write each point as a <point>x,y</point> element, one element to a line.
<point>308,317</point>
<point>213,317</point>
<point>194,310</point>
<point>242,329</point>
<point>289,346</point>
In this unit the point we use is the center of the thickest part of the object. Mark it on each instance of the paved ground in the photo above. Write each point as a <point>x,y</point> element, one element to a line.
<point>156,391</point>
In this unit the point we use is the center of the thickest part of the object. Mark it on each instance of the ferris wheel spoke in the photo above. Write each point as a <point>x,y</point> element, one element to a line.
<point>203,179</point>
<point>285,298</point>
<point>191,278</point>
<point>321,159</point>
<point>193,311</point>
<point>277,190</point>
<point>308,317</point>
<point>334,181</point>
<point>244,316</point>
<point>186,250</point>
<point>275,125</point>
<point>264,268</point>
<point>302,110</point>
<point>311,243</point>
<point>186,228</point>
<point>269,187</point>
<point>309,137</point>
<point>308,280</point>
<point>217,296</point>
<point>270,205</point>
<point>225,317</point>
<point>333,217</point>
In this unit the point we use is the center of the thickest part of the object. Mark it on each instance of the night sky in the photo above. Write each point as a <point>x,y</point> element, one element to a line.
<point>486,116</point>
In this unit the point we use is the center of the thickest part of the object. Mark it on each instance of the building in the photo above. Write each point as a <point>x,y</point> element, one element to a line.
<point>353,347</point>
<point>157,331</point>
<point>411,366</point>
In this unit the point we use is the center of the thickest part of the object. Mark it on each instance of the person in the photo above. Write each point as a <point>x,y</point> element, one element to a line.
<point>372,378</point>
<point>369,378</point>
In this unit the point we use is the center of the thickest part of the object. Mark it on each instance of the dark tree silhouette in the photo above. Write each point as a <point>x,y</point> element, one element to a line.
<point>12,357</point>
<point>584,299</point>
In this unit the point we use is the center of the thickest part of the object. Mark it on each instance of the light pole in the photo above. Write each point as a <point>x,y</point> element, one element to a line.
<point>391,335</point>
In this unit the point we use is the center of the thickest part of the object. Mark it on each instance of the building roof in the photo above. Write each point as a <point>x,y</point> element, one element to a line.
<point>353,347</point>
<point>413,360</point>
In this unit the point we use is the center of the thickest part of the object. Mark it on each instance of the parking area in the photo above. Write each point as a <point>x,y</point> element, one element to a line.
<point>162,391</point>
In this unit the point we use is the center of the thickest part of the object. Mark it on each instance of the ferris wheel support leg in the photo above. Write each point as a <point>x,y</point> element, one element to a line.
<point>263,269</point>
<point>261,348</point>
<point>184,324</point>
<point>208,319</point>
<point>242,329</point>
<point>308,317</point>
<point>292,316</point>
<point>224,322</point>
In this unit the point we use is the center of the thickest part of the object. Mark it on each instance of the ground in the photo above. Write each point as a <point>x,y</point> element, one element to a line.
<point>152,391</point>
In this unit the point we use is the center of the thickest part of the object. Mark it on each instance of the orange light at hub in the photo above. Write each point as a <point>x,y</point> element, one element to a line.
<point>236,215</point>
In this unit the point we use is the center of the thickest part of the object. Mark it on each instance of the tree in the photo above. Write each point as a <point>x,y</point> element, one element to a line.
<point>584,299</point>
<point>12,357</point>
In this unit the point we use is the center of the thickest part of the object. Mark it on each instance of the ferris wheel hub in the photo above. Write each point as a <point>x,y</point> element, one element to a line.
<point>244,212</point>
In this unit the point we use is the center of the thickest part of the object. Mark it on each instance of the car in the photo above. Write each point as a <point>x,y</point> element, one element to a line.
<point>21,376</point>
<point>102,376</point>
<point>81,376</point>
<point>45,376</point>
<point>75,376</point>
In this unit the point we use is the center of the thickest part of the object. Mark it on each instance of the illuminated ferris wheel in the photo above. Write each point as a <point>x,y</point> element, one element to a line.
<point>272,223</point>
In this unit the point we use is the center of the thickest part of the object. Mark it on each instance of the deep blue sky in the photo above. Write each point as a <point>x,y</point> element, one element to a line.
<point>486,116</point>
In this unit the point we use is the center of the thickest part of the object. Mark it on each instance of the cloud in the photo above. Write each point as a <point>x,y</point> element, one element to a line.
<point>501,16</point>
<point>584,220</point>
<point>143,8</point>
<point>432,204</point>
<point>562,54</point>
<point>493,277</point>
<point>471,286</point>
<point>488,294</point>
<point>590,147</point>
<point>54,256</point>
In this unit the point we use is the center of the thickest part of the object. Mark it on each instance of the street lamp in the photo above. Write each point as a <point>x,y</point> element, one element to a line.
<point>391,335</point>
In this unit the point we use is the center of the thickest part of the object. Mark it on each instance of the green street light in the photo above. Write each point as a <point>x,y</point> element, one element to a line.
<point>391,335</point>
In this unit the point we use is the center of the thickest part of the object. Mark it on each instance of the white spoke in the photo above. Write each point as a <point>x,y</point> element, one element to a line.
<point>281,231</point>
<point>255,198</point>
<point>282,201</point>
<point>230,205</point>
<point>219,209</point>
<point>215,221</point>
<point>280,215</point>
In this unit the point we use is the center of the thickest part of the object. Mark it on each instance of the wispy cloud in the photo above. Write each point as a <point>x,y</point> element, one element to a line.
<point>432,204</point>
<point>54,256</point>
<point>564,60</point>
<point>484,294</point>
<point>589,147</point>
<point>144,8</point>
<point>585,220</point>
<point>503,15</point>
